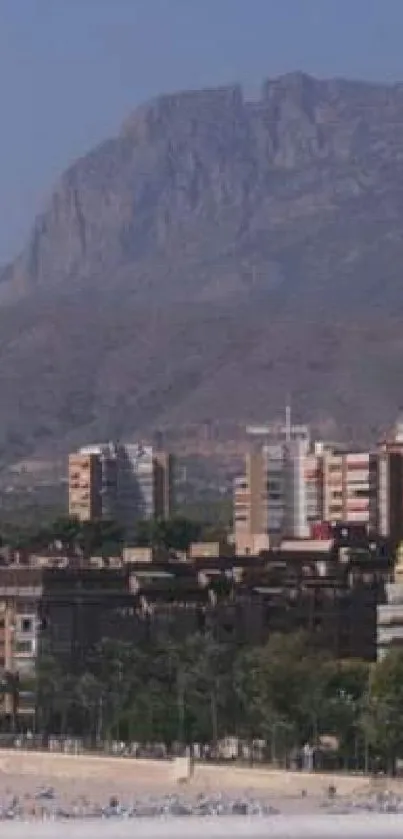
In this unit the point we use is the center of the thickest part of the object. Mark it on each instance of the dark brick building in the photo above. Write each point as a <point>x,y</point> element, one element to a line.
<point>331,591</point>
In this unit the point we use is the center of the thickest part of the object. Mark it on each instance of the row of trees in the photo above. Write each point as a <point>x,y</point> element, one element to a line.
<point>105,537</point>
<point>200,691</point>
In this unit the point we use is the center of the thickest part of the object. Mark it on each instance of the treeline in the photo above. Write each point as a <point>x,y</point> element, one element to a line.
<point>286,693</point>
<point>106,537</point>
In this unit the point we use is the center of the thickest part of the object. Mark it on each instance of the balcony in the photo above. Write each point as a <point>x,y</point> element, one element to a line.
<point>394,593</point>
<point>386,637</point>
<point>33,592</point>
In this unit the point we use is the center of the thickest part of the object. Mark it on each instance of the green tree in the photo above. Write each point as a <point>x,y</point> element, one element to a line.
<point>383,716</point>
<point>281,689</point>
<point>54,689</point>
<point>203,686</point>
<point>145,533</point>
<point>178,533</point>
<point>173,534</point>
<point>89,696</point>
<point>64,529</point>
<point>199,689</point>
<point>100,538</point>
<point>345,694</point>
<point>115,674</point>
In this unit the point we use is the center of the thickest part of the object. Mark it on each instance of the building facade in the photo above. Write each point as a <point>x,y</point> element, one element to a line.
<point>85,486</point>
<point>270,497</point>
<point>388,514</point>
<point>390,612</point>
<point>349,486</point>
<point>290,486</point>
<point>121,482</point>
<point>20,594</point>
<point>330,590</point>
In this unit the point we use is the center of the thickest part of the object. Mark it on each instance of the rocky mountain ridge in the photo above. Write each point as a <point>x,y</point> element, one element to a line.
<point>214,256</point>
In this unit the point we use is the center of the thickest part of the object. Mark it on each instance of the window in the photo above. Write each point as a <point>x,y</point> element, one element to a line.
<point>273,486</point>
<point>24,647</point>
<point>26,625</point>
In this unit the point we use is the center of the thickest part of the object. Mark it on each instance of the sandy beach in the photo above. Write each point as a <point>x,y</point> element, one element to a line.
<point>79,781</point>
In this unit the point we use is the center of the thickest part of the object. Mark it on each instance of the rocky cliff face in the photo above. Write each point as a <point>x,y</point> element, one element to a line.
<point>215,255</point>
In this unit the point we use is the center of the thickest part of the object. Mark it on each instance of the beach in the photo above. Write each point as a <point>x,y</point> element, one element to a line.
<point>39,781</point>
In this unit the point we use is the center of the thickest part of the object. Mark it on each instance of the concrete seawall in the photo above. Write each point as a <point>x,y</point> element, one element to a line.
<point>82,766</point>
<point>160,774</point>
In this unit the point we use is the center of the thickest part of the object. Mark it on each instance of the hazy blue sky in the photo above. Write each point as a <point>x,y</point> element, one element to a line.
<point>70,70</point>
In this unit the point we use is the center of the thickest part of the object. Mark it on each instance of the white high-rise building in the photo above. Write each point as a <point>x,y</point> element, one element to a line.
<point>295,518</point>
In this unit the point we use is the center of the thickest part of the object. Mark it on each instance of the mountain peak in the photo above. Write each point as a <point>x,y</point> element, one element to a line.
<point>168,109</point>
<point>216,254</point>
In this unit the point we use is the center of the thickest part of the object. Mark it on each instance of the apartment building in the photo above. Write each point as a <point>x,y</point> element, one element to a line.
<point>124,482</point>
<point>20,592</point>
<point>295,511</point>
<point>85,486</point>
<point>252,493</point>
<point>294,485</point>
<point>105,487</point>
<point>270,500</point>
<point>389,489</point>
<point>313,480</point>
<point>349,486</point>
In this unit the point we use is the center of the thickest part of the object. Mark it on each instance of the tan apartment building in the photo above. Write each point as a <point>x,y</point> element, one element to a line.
<point>349,487</point>
<point>270,499</point>
<point>285,491</point>
<point>123,482</point>
<point>85,486</point>
<point>250,505</point>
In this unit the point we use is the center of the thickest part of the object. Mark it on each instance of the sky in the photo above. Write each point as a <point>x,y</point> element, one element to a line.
<point>72,70</point>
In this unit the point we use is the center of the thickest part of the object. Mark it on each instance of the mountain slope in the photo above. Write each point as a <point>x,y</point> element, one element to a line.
<point>214,256</point>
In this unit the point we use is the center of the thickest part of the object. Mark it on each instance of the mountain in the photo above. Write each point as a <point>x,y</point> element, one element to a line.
<point>216,255</point>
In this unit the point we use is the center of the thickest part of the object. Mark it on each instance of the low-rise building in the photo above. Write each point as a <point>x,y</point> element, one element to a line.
<point>220,548</point>
<point>330,591</point>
